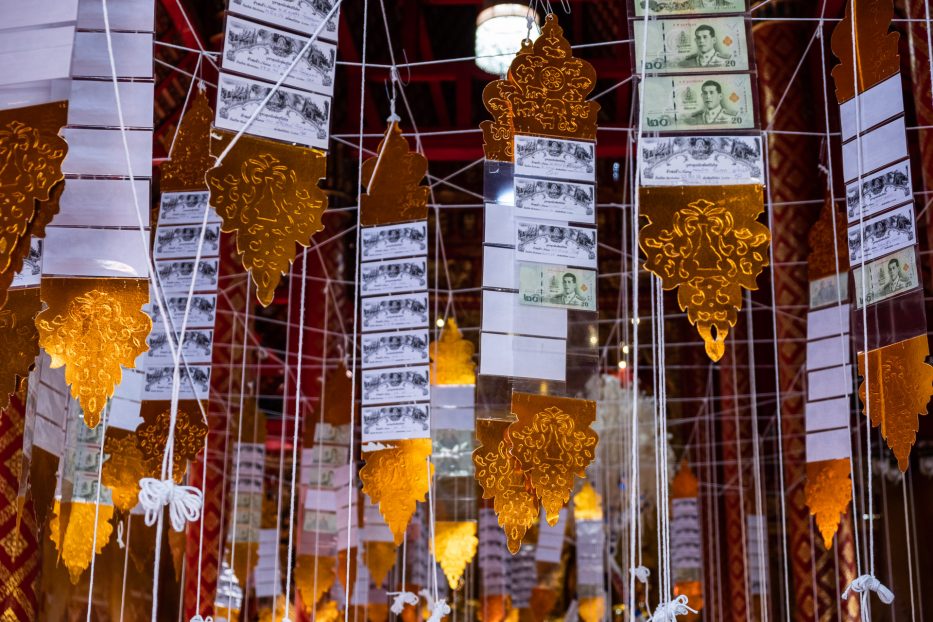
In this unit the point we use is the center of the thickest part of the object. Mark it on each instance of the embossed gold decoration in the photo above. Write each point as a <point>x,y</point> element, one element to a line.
<point>705,242</point>
<point>876,55</point>
<point>191,154</point>
<point>685,484</point>
<point>901,384</point>
<point>152,436</point>
<point>31,155</point>
<point>454,547</point>
<point>828,492</point>
<point>587,504</point>
<point>452,357</point>
<point>395,478</point>
<point>74,541</point>
<point>19,338</point>
<point>123,469</point>
<point>93,327</point>
<point>379,558</point>
<point>544,94</point>
<point>314,576</point>
<point>342,557</point>
<point>245,555</point>
<point>327,611</point>
<point>503,481</point>
<point>592,608</point>
<point>392,179</point>
<point>267,193</point>
<point>554,443</point>
<point>827,245</point>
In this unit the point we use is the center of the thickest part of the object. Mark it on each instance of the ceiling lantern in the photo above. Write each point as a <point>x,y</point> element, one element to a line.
<point>500,29</point>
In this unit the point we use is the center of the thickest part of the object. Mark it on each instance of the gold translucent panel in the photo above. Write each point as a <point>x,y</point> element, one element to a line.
<point>454,547</point>
<point>587,504</point>
<point>392,179</point>
<point>314,576</point>
<point>379,558</point>
<point>875,50</point>
<point>191,154</point>
<point>123,469</point>
<point>828,492</point>
<point>20,339</point>
<point>452,357</point>
<point>152,436</point>
<point>72,530</point>
<point>685,484</point>
<point>395,478</point>
<point>828,245</point>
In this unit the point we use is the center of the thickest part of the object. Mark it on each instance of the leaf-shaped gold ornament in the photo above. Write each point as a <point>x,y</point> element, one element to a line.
<point>452,357</point>
<point>454,547</point>
<point>592,608</point>
<point>314,576</point>
<point>152,436</point>
<point>75,540</point>
<point>587,504</point>
<point>267,193</point>
<point>191,153</point>
<point>395,478</point>
<point>875,50</point>
<point>379,558</point>
<point>19,338</point>
<point>554,443</point>
<point>124,468</point>
<point>392,179</point>
<point>327,611</point>
<point>828,492</point>
<point>93,327</point>
<point>705,241</point>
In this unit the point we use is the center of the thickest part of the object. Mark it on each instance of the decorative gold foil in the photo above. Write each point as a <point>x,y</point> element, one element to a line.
<point>395,478</point>
<point>152,436</point>
<point>592,608</point>
<point>503,480</point>
<point>123,469</point>
<point>876,55</point>
<point>93,327</point>
<point>327,611</point>
<point>379,558</point>
<point>394,193</point>
<point>19,338</point>
<point>901,384</point>
<point>245,555</point>
<point>587,504</point>
<point>342,557</point>
<point>31,155</point>
<point>827,245</point>
<point>828,492</point>
<point>553,441</point>
<point>544,94</point>
<point>685,484</point>
<point>75,540</point>
<point>311,587</point>
<point>267,193</point>
<point>454,547</point>
<point>452,357</point>
<point>191,155</point>
<point>705,241</point>
<point>543,600</point>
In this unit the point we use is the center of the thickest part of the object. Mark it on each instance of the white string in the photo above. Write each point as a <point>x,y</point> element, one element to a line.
<point>126,561</point>
<point>100,467</point>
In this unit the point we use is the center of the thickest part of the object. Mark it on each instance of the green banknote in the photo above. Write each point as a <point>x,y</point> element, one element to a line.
<point>546,285</point>
<point>693,103</point>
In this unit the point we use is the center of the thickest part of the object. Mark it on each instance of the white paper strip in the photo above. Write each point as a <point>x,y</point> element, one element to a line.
<point>286,14</point>
<point>879,147</point>
<point>19,14</point>
<point>829,321</point>
<point>829,352</point>
<point>36,54</point>
<point>132,53</point>
<point>502,313</point>
<point>103,202</point>
<point>523,357</point>
<point>826,383</point>
<point>134,15</point>
<point>499,268</point>
<point>94,252</point>
<point>828,445</point>
<point>877,104</point>
<point>93,103</point>
<point>101,152</point>
<point>827,414</point>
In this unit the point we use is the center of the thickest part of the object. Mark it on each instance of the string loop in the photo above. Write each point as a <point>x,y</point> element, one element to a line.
<point>184,502</point>
<point>400,600</point>
<point>668,612</point>
<point>863,586</point>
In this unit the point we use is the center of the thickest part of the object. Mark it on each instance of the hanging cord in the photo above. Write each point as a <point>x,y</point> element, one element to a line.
<point>439,607</point>
<point>668,611</point>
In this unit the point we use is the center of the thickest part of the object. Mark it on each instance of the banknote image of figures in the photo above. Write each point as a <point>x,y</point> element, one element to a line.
<point>708,53</point>
<point>714,110</point>
<point>571,294</point>
<point>897,279</point>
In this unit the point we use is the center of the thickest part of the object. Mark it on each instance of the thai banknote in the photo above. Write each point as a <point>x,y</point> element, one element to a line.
<point>556,286</point>
<point>690,45</point>
<point>701,160</point>
<point>708,102</point>
<point>686,7</point>
<point>325,522</point>
<point>889,276</point>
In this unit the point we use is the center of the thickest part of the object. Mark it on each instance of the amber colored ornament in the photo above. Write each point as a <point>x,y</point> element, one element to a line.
<point>503,481</point>
<point>693,590</point>
<point>314,576</point>
<point>342,557</point>
<point>152,436</point>
<point>685,484</point>
<point>124,468</point>
<point>74,541</point>
<point>452,357</point>
<point>543,600</point>
<point>454,547</point>
<point>544,94</point>
<point>901,384</point>
<point>93,327</point>
<point>592,608</point>
<point>392,179</point>
<point>327,611</point>
<point>554,443</point>
<point>244,555</point>
<point>587,504</point>
<point>267,193</point>
<point>876,56</point>
<point>19,338</point>
<point>828,492</point>
<point>395,478</point>
<point>31,155</point>
<point>705,241</point>
<point>827,245</point>
<point>337,404</point>
<point>191,153</point>
<point>379,558</point>
<point>494,608</point>
<point>377,612</point>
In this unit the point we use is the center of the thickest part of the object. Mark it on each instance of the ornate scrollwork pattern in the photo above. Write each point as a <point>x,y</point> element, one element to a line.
<point>828,491</point>
<point>191,154</point>
<point>392,179</point>
<point>152,436</point>
<point>395,478</point>
<point>20,339</point>
<point>454,547</point>
<point>123,469</point>
<point>706,242</point>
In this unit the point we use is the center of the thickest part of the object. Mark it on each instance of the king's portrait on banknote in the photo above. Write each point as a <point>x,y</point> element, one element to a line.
<point>707,55</point>
<point>715,109</point>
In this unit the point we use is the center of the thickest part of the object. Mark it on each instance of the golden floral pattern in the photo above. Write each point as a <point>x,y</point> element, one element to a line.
<point>554,443</point>
<point>454,547</point>
<point>314,576</point>
<point>876,56</point>
<point>395,478</point>
<point>824,248</point>
<point>452,357</point>
<point>901,384</point>
<point>544,94</point>
<point>152,436</point>
<point>191,155</point>
<point>123,469</point>
<point>267,193</point>
<point>93,327</point>
<point>705,242</point>
<point>828,493</point>
<point>392,179</point>
<point>20,339</point>
<point>74,540</point>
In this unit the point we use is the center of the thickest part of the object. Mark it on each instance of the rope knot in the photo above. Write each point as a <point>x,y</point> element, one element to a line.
<point>868,583</point>
<point>439,609</point>
<point>184,502</point>
<point>641,573</point>
<point>668,612</point>
<point>400,600</point>
<point>198,618</point>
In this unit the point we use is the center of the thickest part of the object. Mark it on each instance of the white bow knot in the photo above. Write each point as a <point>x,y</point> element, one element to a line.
<point>668,612</point>
<point>863,586</point>
<point>198,618</point>
<point>184,502</point>
<point>641,573</point>
<point>400,600</point>
<point>438,610</point>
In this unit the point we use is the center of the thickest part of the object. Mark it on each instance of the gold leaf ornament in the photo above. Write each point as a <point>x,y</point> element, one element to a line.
<point>587,504</point>
<point>93,327</point>
<point>452,357</point>
<point>395,478</point>
<point>828,492</point>
<point>592,608</point>
<point>267,193</point>
<point>123,469</point>
<point>74,541</point>
<point>379,558</point>
<point>900,386</point>
<point>392,179</point>
<point>454,547</point>
<point>20,339</point>
<point>554,443</point>
<point>314,576</point>
<point>876,51</point>
<point>191,153</point>
<point>152,436</point>
<point>327,612</point>
<point>705,242</point>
